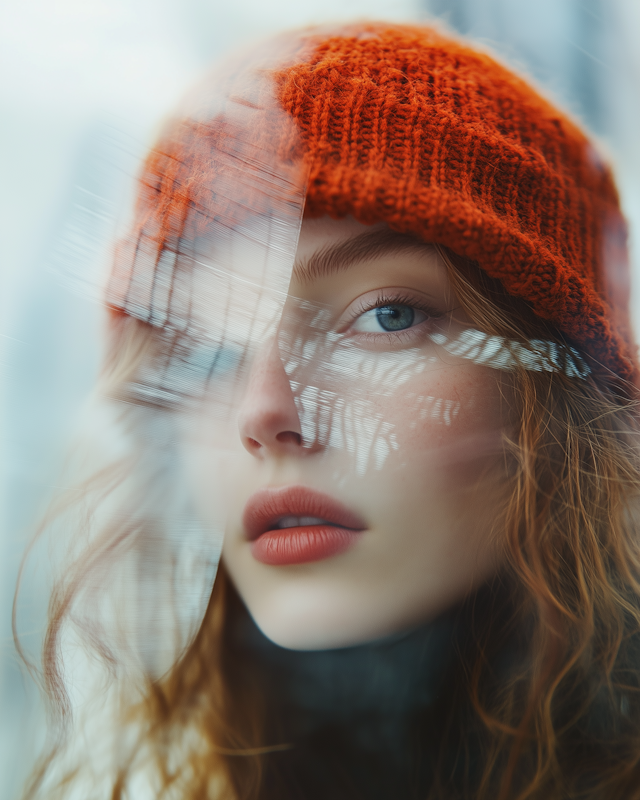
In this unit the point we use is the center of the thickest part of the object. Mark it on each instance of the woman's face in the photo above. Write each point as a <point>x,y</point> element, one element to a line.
<point>364,475</point>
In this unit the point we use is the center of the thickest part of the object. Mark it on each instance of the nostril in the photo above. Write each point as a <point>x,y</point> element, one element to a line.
<point>289,437</point>
<point>253,444</point>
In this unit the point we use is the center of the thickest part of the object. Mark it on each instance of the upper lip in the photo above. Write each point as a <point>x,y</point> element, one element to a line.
<point>267,506</point>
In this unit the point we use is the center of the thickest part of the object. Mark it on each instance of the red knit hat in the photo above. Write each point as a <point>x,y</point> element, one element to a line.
<point>411,127</point>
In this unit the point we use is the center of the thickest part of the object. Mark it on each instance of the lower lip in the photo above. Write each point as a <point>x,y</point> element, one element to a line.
<point>302,545</point>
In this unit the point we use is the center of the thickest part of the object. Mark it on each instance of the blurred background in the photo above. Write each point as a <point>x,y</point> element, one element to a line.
<point>84,86</point>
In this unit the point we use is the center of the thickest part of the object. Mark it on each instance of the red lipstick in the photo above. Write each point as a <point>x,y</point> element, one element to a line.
<point>296,525</point>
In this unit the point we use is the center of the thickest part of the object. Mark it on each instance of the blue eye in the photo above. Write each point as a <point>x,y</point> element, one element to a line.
<point>395,318</point>
<point>388,319</point>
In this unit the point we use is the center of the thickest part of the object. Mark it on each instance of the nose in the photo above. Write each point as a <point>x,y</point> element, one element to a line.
<point>268,418</point>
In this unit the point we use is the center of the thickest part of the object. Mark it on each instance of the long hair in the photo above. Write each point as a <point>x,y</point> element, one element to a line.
<point>559,718</point>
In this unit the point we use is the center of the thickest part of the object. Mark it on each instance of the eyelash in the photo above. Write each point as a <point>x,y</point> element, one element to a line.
<point>396,299</point>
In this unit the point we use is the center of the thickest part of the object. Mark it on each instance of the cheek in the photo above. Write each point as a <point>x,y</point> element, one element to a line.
<point>451,420</point>
<point>437,500</point>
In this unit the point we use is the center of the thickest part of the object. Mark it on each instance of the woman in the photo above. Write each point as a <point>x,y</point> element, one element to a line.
<point>370,324</point>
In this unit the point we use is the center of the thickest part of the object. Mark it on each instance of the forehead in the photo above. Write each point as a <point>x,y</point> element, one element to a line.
<point>332,252</point>
<point>324,231</point>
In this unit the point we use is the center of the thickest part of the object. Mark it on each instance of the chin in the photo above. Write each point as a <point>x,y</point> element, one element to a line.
<point>317,631</point>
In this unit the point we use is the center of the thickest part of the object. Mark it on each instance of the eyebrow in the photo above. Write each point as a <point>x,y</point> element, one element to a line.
<point>364,247</point>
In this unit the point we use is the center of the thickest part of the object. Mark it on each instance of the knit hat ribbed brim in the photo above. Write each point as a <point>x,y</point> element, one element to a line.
<point>405,125</point>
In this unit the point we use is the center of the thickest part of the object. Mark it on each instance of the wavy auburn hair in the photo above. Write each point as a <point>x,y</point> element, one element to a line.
<point>561,720</point>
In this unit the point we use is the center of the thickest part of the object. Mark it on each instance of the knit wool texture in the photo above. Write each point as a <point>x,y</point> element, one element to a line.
<point>408,126</point>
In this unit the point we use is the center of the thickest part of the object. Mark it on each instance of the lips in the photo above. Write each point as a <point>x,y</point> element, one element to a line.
<point>296,525</point>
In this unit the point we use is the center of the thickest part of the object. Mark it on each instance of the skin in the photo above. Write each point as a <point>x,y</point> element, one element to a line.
<point>424,469</point>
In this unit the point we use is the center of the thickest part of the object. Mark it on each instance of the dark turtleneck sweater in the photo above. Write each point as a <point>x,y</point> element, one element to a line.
<point>363,722</point>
